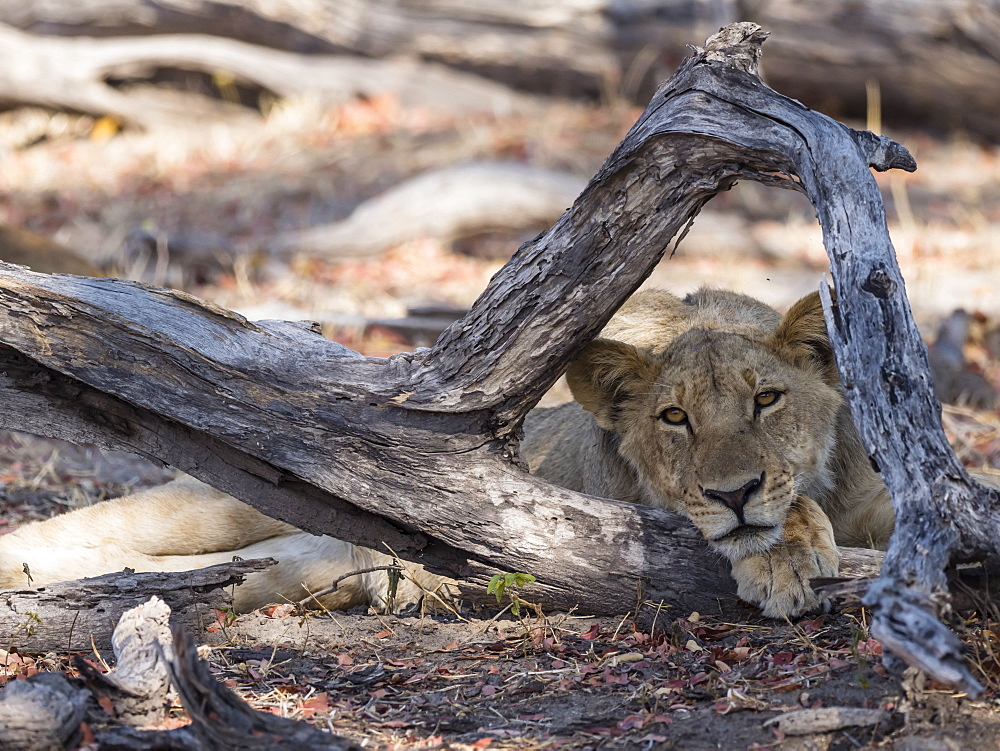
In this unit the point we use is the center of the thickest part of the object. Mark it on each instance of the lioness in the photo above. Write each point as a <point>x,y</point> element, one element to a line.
<point>186,525</point>
<point>713,406</point>
<point>718,408</point>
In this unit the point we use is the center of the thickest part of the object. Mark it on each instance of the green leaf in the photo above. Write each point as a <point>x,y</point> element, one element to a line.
<point>497,586</point>
<point>523,580</point>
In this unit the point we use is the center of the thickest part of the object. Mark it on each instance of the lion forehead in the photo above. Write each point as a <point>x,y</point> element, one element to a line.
<point>710,368</point>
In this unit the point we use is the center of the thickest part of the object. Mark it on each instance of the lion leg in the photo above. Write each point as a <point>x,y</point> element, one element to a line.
<point>778,579</point>
<point>412,587</point>
<point>310,563</point>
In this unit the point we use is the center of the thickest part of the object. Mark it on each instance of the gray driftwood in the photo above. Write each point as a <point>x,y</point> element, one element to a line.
<point>932,58</point>
<point>75,73</point>
<point>420,450</point>
<point>81,614</point>
<point>42,713</point>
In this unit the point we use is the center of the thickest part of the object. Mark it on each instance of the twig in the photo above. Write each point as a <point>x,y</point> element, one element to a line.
<point>301,604</point>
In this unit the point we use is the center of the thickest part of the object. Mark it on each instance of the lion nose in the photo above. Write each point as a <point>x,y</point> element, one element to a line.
<point>735,499</point>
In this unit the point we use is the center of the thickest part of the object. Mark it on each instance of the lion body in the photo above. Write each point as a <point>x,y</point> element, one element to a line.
<point>774,488</point>
<point>186,525</point>
<point>763,458</point>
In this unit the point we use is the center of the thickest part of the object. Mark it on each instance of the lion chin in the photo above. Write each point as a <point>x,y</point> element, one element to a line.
<point>743,540</point>
<point>716,407</point>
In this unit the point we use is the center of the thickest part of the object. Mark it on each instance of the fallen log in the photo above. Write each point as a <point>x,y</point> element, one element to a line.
<point>443,204</point>
<point>80,615</point>
<point>45,711</point>
<point>372,449</point>
<point>79,73</point>
<point>930,58</point>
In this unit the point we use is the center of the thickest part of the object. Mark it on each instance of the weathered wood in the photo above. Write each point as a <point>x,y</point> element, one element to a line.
<point>81,614</point>
<point>931,58</point>
<point>41,713</point>
<point>942,515</point>
<point>427,441</point>
<point>74,73</point>
<point>45,711</point>
<point>443,204</point>
<point>139,684</point>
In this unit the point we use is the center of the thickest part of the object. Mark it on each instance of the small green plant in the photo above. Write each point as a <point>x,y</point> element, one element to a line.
<point>859,635</point>
<point>505,583</point>
<point>26,629</point>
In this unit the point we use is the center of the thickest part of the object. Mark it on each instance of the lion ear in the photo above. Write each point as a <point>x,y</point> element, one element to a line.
<point>606,375</point>
<point>801,338</point>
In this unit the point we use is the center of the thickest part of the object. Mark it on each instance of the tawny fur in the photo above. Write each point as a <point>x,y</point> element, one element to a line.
<point>710,355</point>
<point>186,525</point>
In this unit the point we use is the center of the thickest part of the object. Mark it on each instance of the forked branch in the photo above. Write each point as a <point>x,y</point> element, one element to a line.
<point>375,449</point>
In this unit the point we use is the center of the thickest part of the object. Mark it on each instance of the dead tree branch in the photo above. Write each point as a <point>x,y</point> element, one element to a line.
<point>150,655</point>
<point>75,73</point>
<point>930,57</point>
<point>81,614</point>
<point>373,449</point>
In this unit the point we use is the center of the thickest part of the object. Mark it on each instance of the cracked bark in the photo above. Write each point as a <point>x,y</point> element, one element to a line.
<point>372,449</point>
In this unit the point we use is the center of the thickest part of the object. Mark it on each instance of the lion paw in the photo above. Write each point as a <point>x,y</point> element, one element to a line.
<point>778,580</point>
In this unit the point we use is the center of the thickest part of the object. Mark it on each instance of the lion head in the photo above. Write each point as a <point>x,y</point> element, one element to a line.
<point>729,419</point>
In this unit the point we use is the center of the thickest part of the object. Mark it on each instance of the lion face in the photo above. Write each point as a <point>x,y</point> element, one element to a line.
<point>725,427</point>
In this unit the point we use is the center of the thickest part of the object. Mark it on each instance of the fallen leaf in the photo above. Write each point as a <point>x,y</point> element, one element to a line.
<point>632,722</point>
<point>280,611</point>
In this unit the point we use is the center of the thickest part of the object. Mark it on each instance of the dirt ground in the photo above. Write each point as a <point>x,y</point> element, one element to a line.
<point>487,679</point>
<point>474,680</point>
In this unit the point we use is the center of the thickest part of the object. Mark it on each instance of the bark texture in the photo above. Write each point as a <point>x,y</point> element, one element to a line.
<point>75,616</point>
<point>139,684</point>
<point>373,449</point>
<point>43,712</point>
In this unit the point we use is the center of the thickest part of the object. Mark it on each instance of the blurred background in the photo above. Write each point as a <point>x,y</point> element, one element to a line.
<point>369,164</point>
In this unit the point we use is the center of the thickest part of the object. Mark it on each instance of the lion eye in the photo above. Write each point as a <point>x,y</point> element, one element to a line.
<point>766,398</point>
<point>674,416</point>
